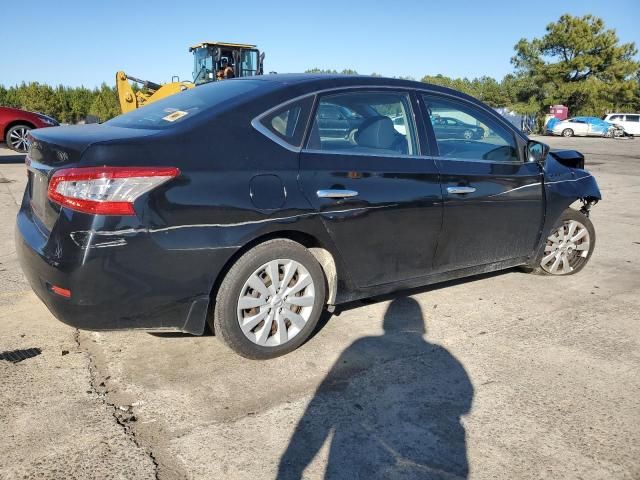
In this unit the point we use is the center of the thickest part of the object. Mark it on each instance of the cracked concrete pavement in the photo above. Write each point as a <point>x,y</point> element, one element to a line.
<point>517,376</point>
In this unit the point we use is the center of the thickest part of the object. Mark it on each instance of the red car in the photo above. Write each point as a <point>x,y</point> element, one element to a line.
<point>15,125</point>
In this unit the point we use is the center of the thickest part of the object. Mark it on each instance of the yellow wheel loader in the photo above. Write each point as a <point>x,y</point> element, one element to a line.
<point>212,61</point>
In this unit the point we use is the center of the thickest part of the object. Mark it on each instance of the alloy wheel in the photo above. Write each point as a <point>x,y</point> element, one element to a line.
<point>566,249</point>
<point>18,139</point>
<point>276,302</point>
<point>468,134</point>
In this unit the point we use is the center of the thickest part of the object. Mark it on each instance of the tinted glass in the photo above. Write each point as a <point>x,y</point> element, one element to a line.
<point>616,117</point>
<point>633,118</point>
<point>364,122</point>
<point>187,105</point>
<point>288,123</point>
<point>465,132</point>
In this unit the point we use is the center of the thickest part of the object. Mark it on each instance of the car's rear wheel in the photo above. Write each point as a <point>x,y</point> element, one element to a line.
<point>16,138</point>
<point>569,246</point>
<point>270,300</point>
<point>567,132</point>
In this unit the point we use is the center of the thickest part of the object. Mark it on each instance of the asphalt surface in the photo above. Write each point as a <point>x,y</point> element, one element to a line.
<point>504,376</point>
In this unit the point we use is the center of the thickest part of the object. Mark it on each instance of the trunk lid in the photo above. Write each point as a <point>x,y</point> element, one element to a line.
<point>62,147</point>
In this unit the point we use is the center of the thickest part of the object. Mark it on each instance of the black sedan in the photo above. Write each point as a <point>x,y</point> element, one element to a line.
<point>229,204</point>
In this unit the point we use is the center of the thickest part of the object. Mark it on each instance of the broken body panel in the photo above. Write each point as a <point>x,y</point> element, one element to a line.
<point>157,269</point>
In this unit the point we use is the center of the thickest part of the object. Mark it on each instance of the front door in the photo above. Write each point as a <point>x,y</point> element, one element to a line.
<point>379,200</point>
<point>493,201</point>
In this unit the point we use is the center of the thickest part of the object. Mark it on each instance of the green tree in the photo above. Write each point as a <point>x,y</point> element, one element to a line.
<point>580,63</point>
<point>105,104</point>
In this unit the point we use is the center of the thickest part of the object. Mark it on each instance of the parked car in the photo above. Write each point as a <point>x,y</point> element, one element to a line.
<point>337,121</point>
<point>447,127</point>
<point>15,125</point>
<point>630,122</point>
<point>227,204</point>
<point>581,127</point>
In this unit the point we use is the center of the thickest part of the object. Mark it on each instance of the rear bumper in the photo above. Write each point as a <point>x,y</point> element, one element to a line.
<point>136,283</point>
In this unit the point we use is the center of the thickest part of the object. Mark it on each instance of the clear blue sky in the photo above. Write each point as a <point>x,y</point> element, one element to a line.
<point>85,42</point>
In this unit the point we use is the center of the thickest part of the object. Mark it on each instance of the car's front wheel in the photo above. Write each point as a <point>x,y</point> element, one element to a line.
<point>270,300</point>
<point>468,134</point>
<point>16,138</point>
<point>569,246</point>
<point>567,132</point>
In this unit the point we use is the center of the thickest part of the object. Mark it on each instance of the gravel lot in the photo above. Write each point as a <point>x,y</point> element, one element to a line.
<point>506,375</point>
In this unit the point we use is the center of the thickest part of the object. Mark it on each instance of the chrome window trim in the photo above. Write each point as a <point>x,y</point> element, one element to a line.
<point>347,153</point>
<point>420,157</point>
<point>256,122</point>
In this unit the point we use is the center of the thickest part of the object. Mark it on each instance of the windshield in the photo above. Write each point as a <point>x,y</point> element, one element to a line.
<point>184,106</point>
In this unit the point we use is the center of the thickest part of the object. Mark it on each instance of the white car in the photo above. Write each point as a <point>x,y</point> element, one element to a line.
<point>581,127</point>
<point>629,121</point>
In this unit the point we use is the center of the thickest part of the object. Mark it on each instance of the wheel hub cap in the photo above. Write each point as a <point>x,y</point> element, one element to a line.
<point>276,302</point>
<point>566,248</point>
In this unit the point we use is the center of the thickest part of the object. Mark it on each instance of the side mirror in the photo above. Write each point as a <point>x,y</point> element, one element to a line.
<point>537,151</point>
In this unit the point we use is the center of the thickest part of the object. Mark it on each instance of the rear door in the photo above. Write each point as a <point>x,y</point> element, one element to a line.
<point>493,201</point>
<point>378,198</point>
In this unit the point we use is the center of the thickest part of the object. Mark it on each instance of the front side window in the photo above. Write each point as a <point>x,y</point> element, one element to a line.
<point>464,132</point>
<point>364,122</point>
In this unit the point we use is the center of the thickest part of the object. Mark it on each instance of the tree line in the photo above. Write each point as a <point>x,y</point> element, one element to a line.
<point>578,62</point>
<point>66,104</point>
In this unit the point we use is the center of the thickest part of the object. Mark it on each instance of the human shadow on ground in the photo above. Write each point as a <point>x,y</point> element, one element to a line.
<point>390,408</point>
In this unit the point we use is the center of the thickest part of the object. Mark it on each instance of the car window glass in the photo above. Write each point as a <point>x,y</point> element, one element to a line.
<point>368,122</point>
<point>288,123</point>
<point>178,109</point>
<point>471,134</point>
<point>616,117</point>
<point>633,118</point>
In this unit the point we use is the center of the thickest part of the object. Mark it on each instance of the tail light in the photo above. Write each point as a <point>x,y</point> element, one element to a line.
<point>106,190</point>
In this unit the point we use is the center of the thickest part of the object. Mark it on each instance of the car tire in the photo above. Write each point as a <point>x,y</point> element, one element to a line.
<point>16,137</point>
<point>562,246</point>
<point>275,322</point>
<point>468,134</point>
<point>567,132</point>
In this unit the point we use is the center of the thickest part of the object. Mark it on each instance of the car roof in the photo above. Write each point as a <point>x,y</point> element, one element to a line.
<point>317,81</point>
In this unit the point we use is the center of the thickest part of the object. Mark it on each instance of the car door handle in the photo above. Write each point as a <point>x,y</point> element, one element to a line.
<point>460,190</point>
<point>333,193</point>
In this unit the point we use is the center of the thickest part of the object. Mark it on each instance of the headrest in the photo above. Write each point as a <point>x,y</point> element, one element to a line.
<point>376,132</point>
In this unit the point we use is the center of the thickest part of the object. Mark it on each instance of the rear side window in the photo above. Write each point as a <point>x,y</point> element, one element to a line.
<point>464,132</point>
<point>374,123</point>
<point>287,123</point>
<point>633,118</point>
<point>184,106</point>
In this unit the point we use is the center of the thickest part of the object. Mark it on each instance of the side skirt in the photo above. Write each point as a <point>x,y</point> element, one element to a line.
<point>345,296</point>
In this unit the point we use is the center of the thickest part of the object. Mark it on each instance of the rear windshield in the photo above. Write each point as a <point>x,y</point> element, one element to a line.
<point>187,105</point>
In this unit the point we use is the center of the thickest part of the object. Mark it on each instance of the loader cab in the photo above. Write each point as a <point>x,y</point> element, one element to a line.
<point>246,60</point>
